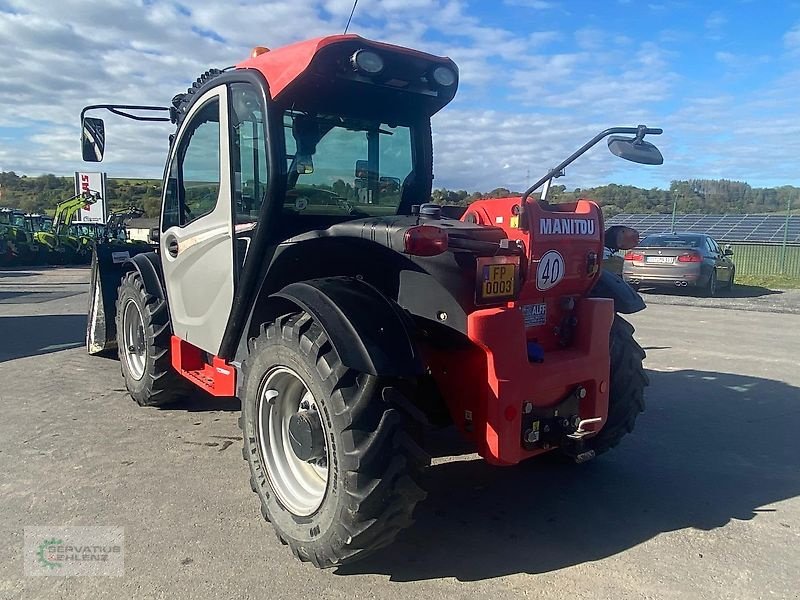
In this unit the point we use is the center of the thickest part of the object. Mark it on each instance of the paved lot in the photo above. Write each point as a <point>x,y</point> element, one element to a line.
<point>700,502</point>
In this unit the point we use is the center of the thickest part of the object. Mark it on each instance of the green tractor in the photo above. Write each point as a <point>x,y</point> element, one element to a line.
<point>41,228</point>
<point>65,242</point>
<point>17,245</point>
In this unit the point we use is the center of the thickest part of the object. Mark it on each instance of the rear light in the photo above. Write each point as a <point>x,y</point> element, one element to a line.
<point>425,240</point>
<point>690,257</point>
<point>634,256</point>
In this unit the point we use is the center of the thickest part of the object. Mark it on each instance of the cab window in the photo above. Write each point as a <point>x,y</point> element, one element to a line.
<point>193,183</point>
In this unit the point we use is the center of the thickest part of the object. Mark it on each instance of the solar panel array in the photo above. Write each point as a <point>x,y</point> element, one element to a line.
<point>764,229</point>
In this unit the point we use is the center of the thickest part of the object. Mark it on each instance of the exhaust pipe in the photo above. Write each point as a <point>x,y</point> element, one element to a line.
<point>681,284</point>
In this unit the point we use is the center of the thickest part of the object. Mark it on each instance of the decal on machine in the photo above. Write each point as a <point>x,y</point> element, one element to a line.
<point>534,314</point>
<point>550,270</point>
<point>551,226</point>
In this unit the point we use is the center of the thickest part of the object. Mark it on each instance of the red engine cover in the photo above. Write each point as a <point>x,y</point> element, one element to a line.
<point>564,247</point>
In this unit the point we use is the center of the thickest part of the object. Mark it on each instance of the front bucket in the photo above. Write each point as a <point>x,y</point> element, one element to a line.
<point>108,265</point>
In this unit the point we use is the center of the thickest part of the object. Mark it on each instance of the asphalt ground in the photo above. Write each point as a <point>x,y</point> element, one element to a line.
<point>701,501</point>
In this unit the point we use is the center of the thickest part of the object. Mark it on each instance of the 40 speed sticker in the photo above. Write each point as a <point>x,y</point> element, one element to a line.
<point>550,270</point>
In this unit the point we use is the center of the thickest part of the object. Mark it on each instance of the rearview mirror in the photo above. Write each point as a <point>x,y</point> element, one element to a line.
<point>362,169</point>
<point>93,139</point>
<point>635,150</point>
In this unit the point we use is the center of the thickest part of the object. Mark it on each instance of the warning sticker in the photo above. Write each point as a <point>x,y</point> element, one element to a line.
<point>534,314</point>
<point>120,257</point>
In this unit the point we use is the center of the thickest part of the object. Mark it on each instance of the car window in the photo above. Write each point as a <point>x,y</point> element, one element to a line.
<point>672,241</point>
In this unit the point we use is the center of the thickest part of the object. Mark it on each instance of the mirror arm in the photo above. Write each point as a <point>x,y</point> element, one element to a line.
<point>637,131</point>
<point>120,109</point>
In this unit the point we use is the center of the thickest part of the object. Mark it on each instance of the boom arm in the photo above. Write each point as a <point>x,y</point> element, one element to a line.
<point>66,209</point>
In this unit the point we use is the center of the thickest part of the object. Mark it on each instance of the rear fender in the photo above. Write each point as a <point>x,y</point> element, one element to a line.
<point>626,299</point>
<point>369,331</point>
<point>110,261</point>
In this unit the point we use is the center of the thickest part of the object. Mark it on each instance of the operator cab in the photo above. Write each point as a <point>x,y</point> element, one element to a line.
<point>290,141</point>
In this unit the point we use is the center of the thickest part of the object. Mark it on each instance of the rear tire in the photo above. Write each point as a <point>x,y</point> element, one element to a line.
<point>712,287</point>
<point>143,340</point>
<point>371,463</point>
<point>626,387</point>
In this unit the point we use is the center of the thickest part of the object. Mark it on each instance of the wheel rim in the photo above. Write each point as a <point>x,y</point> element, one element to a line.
<point>300,485</point>
<point>135,342</point>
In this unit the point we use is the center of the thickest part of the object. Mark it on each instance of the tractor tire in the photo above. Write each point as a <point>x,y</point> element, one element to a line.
<point>626,387</point>
<point>354,485</point>
<point>143,340</point>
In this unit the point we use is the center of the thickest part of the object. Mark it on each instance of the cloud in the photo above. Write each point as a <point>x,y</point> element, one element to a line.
<point>528,97</point>
<point>791,39</point>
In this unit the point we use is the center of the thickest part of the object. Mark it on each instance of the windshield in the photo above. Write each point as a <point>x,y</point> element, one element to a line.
<point>671,241</point>
<point>344,166</point>
<point>18,220</point>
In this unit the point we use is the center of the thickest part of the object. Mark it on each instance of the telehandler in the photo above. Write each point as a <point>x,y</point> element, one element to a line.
<point>301,268</point>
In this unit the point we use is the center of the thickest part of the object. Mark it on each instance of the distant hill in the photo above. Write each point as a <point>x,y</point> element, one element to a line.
<point>41,194</point>
<point>708,196</point>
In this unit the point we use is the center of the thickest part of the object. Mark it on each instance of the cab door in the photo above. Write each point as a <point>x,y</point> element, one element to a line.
<point>196,239</point>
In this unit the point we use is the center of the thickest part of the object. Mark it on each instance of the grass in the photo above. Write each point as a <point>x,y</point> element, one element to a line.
<point>773,282</point>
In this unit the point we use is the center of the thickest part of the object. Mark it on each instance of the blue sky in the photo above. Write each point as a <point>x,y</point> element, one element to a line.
<point>538,78</point>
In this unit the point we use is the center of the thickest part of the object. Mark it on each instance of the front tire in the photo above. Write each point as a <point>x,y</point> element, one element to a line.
<point>626,387</point>
<point>143,338</point>
<point>354,487</point>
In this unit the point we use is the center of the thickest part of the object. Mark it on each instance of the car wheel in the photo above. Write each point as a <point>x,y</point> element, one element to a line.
<point>711,287</point>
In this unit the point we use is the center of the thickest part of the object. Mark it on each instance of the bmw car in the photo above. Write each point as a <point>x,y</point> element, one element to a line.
<point>682,260</point>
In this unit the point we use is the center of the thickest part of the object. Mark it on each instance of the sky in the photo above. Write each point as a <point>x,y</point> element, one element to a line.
<point>538,79</point>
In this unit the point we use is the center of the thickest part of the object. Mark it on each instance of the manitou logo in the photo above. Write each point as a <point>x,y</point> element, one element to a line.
<point>566,226</point>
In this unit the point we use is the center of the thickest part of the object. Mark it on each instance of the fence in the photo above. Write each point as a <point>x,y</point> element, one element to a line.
<point>766,259</point>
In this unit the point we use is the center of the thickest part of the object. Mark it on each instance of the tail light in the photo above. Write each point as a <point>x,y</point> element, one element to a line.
<point>634,256</point>
<point>425,240</point>
<point>690,257</point>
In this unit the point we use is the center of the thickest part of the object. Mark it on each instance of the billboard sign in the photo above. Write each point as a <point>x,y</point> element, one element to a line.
<point>96,182</point>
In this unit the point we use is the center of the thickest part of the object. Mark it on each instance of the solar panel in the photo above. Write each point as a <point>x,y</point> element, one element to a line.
<point>723,228</point>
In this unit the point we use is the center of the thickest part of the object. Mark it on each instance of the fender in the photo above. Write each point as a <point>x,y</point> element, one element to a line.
<point>374,340</point>
<point>610,285</point>
<point>110,261</point>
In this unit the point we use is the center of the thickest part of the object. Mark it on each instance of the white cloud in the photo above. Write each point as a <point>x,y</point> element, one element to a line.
<point>526,101</point>
<point>791,39</point>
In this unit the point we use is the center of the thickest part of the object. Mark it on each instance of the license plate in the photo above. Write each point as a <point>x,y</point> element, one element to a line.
<point>496,280</point>
<point>662,260</point>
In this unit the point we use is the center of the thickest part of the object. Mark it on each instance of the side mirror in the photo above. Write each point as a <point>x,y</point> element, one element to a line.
<point>619,237</point>
<point>362,169</point>
<point>155,235</point>
<point>635,150</point>
<point>93,139</point>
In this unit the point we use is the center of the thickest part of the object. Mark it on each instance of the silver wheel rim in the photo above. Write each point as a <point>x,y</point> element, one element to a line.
<point>300,485</point>
<point>135,342</point>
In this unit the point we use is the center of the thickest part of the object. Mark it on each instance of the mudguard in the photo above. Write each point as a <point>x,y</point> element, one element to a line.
<point>368,330</point>
<point>109,262</point>
<point>626,299</point>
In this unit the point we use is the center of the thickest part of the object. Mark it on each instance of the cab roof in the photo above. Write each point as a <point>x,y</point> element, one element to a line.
<point>282,66</point>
